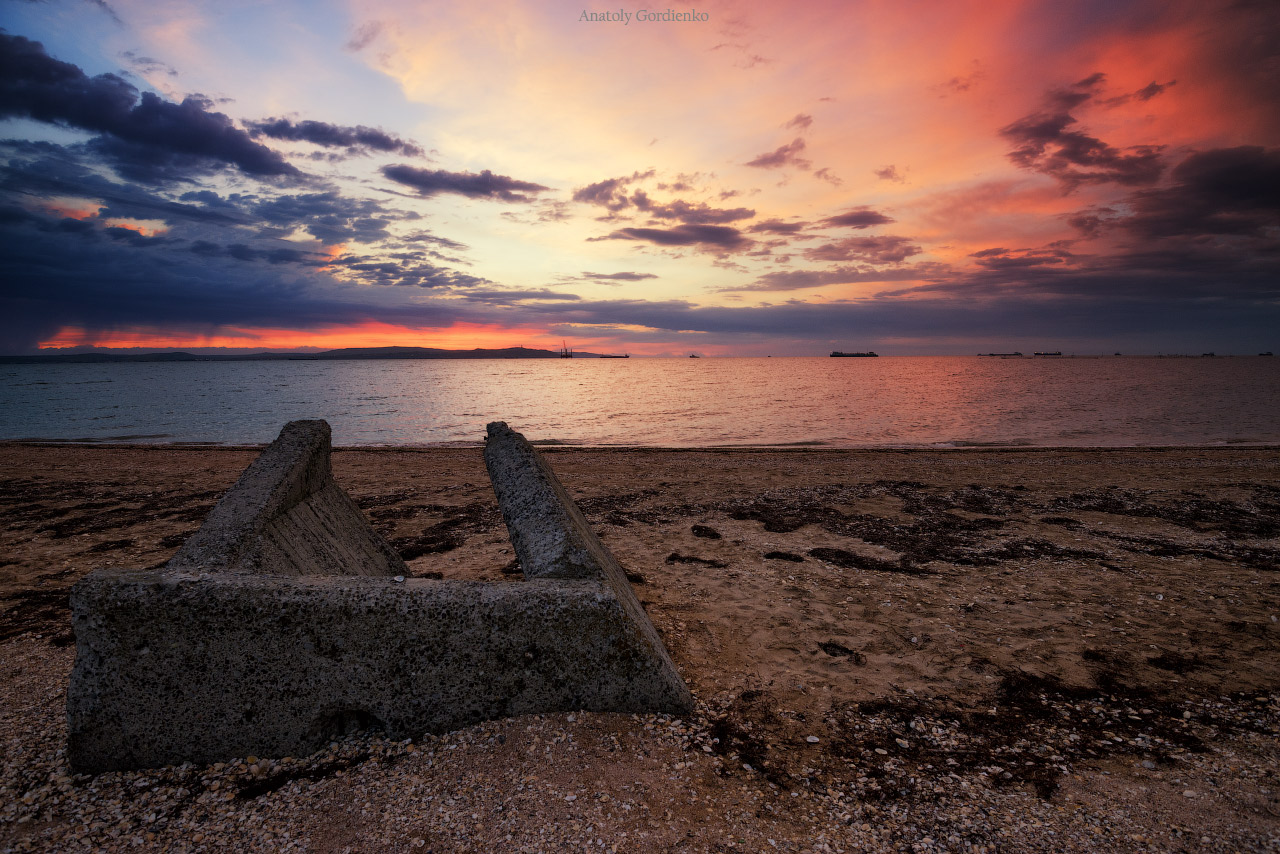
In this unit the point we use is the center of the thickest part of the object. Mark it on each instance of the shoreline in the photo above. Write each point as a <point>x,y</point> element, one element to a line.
<point>986,645</point>
<point>553,445</point>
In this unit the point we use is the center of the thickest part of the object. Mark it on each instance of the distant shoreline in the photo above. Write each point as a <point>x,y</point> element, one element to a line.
<point>359,353</point>
<point>392,353</point>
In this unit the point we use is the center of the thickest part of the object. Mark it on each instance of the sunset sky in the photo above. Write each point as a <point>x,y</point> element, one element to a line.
<point>777,178</point>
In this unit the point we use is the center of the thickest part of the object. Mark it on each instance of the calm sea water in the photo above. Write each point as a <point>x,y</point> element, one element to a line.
<point>885,402</point>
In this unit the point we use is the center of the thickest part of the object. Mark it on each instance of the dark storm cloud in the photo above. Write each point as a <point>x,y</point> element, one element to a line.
<point>354,139</point>
<point>407,272</point>
<point>329,217</point>
<point>50,280</point>
<point>1224,191</point>
<point>36,86</point>
<point>615,278</point>
<point>777,226</point>
<point>783,155</point>
<point>57,273</point>
<point>794,280</point>
<point>711,237</point>
<point>859,217</point>
<point>881,249</point>
<point>1208,271</point>
<point>42,170</point>
<point>1047,142</point>
<point>485,185</point>
<point>243,252</point>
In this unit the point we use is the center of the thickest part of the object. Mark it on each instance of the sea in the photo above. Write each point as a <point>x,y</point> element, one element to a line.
<point>885,402</point>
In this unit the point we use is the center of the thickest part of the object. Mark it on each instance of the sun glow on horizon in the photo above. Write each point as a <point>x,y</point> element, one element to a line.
<point>459,336</point>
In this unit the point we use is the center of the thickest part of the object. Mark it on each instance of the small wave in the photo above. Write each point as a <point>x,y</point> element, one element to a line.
<point>812,443</point>
<point>968,443</point>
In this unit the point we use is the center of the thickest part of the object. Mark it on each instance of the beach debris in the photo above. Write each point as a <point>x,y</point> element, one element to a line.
<point>286,621</point>
<point>706,532</point>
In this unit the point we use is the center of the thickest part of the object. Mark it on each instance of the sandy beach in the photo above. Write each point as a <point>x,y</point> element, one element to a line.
<point>968,650</point>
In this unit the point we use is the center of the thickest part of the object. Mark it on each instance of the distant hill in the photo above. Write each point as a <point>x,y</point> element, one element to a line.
<point>345,353</point>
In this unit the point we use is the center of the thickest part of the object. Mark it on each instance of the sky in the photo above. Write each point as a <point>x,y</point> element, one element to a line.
<point>725,178</point>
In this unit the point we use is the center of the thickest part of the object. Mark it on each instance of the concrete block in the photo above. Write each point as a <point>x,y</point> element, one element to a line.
<point>551,537</point>
<point>173,668</point>
<point>286,516</point>
<point>276,628</point>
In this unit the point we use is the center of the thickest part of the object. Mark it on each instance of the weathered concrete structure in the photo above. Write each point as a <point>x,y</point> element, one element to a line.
<point>281,623</point>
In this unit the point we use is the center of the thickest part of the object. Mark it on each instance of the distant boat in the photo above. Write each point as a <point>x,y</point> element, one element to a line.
<point>1002,355</point>
<point>840,354</point>
<point>1268,353</point>
<point>1054,353</point>
<point>1207,354</point>
<point>565,352</point>
<point>694,356</point>
<point>615,356</point>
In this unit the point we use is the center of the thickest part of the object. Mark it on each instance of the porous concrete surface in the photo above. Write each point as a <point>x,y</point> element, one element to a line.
<point>287,516</point>
<point>276,627</point>
<point>173,668</point>
<point>549,534</point>
<point>551,537</point>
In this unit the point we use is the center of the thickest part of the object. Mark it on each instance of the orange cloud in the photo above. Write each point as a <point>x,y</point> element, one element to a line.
<point>73,208</point>
<point>147,228</point>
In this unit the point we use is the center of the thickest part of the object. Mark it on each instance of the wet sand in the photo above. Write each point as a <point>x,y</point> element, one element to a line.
<point>887,647</point>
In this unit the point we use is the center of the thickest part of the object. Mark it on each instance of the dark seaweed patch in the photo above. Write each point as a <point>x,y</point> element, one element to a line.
<point>852,560</point>
<point>45,611</point>
<point>676,557</point>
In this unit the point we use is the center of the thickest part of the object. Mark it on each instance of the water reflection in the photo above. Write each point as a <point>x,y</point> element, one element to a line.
<point>660,402</point>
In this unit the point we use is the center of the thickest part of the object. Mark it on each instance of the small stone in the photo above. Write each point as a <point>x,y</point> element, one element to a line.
<point>1148,764</point>
<point>882,751</point>
<point>1189,793</point>
<point>902,742</point>
<point>813,739</point>
<point>1186,716</point>
<point>570,797</point>
<point>398,579</point>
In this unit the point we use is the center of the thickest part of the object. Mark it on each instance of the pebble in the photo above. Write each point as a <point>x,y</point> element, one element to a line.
<point>813,739</point>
